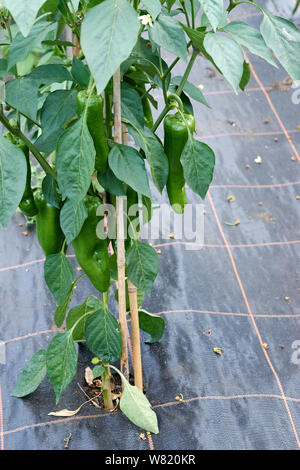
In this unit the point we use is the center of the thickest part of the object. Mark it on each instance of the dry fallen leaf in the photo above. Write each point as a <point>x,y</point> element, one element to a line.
<point>286,299</point>
<point>172,235</point>
<point>237,222</point>
<point>208,333</point>
<point>266,346</point>
<point>143,437</point>
<point>218,351</point>
<point>159,252</point>
<point>230,198</point>
<point>66,413</point>
<point>89,376</point>
<point>25,234</point>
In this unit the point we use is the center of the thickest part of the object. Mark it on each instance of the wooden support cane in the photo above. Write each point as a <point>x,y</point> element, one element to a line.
<point>134,314</point>
<point>120,234</point>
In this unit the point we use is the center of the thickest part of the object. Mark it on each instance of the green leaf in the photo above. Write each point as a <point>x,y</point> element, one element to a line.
<point>142,265</point>
<point>137,408</point>
<point>214,10</point>
<point>228,56</point>
<point>194,92</point>
<point>147,209</point>
<point>132,108</point>
<point>80,72</point>
<point>167,33</point>
<point>33,374</point>
<point>103,336</point>
<point>59,275</point>
<point>62,309</point>
<point>50,73</point>
<point>59,107</point>
<point>75,161</point>
<point>24,13</point>
<point>246,76</point>
<point>22,94</point>
<point>98,371</point>
<point>13,170</point>
<point>250,38</point>
<point>283,37</point>
<point>111,183</point>
<point>152,324</point>
<point>21,47</point>
<point>153,7</point>
<point>61,362</point>
<point>198,161</point>
<point>49,188</point>
<point>72,217</point>
<point>78,312</point>
<point>128,166</point>
<point>108,34</point>
<point>155,154</point>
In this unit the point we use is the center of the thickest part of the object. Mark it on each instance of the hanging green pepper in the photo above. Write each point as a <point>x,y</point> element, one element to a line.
<point>49,232</point>
<point>95,126</point>
<point>27,204</point>
<point>176,135</point>
<point>92,252</point>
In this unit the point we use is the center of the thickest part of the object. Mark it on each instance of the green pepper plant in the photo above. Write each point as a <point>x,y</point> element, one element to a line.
<point>71,113</point>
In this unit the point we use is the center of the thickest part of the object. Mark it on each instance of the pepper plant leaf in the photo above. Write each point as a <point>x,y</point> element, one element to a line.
<point>75,161</point>
<point>108,34</point>
<point>24,13</point>
<point>72,217</point>
<point>59,275</point>
<point>283,37</point>
<point>152,324</point>
<point>13,171</point>
<point>33,374</point>
<point>142,265</point>
<point>61,362</point>
<point>168,33</point>
<point>214,10</point>
<point>22,94</point>
<point>128,166</point>
<point>198,161</point>
<point>103,336</point>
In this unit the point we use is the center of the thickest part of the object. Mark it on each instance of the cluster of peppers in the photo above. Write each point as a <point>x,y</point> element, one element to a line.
<point>92,252</point>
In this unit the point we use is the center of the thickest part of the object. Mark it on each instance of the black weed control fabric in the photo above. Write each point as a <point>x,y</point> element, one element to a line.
<point>226,291</point>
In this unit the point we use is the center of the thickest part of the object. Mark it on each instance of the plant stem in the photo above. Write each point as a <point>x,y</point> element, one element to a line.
<point>17,132</point>
<point>106,389</point>
<point>187,72</point>
<point>120,233</point>
<point>193,14</point>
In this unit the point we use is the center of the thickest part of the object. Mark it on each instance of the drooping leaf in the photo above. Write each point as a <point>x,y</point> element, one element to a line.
<point>72,217</point>
<point>61,362</point>
<point>22,94</point>
<point>251,38</point>
<point>128,166</point>
<point>78,312</point>
<point>111,183</point>
<point>62,308</point>
<point>33,374</point>
<point>132,108</point>
<point>152,324</point>
<point>198,161</point>
<point>283,37</point>
<point>80,72</point>
<point>214,10</point>
<point>194,92</point>
<point>49,188</point>
<point>59,275</point>
<point>13,170</point>
<point>142,265</point>
<point>24,13</point>
<point>137,408</point>
<point>59,107</point>
<point>155,154</point>
<point>246,76</point>
<point>168,33</point>
<point>153,7</point>
<point>228,56</point>
<point>75,161</point>
<point>103,336</point>
<point>108,34</point>
<point>21,47</point>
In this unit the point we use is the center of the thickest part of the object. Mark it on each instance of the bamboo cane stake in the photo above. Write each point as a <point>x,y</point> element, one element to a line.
<point>120,234</point>
<point>134,314</point>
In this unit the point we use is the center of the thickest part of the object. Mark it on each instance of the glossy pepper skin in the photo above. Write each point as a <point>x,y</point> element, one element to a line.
<point>92,252</point>
<point>27,204</point>
<point>49,232</point>
<point>95,126</point>
<point>176,135</point>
